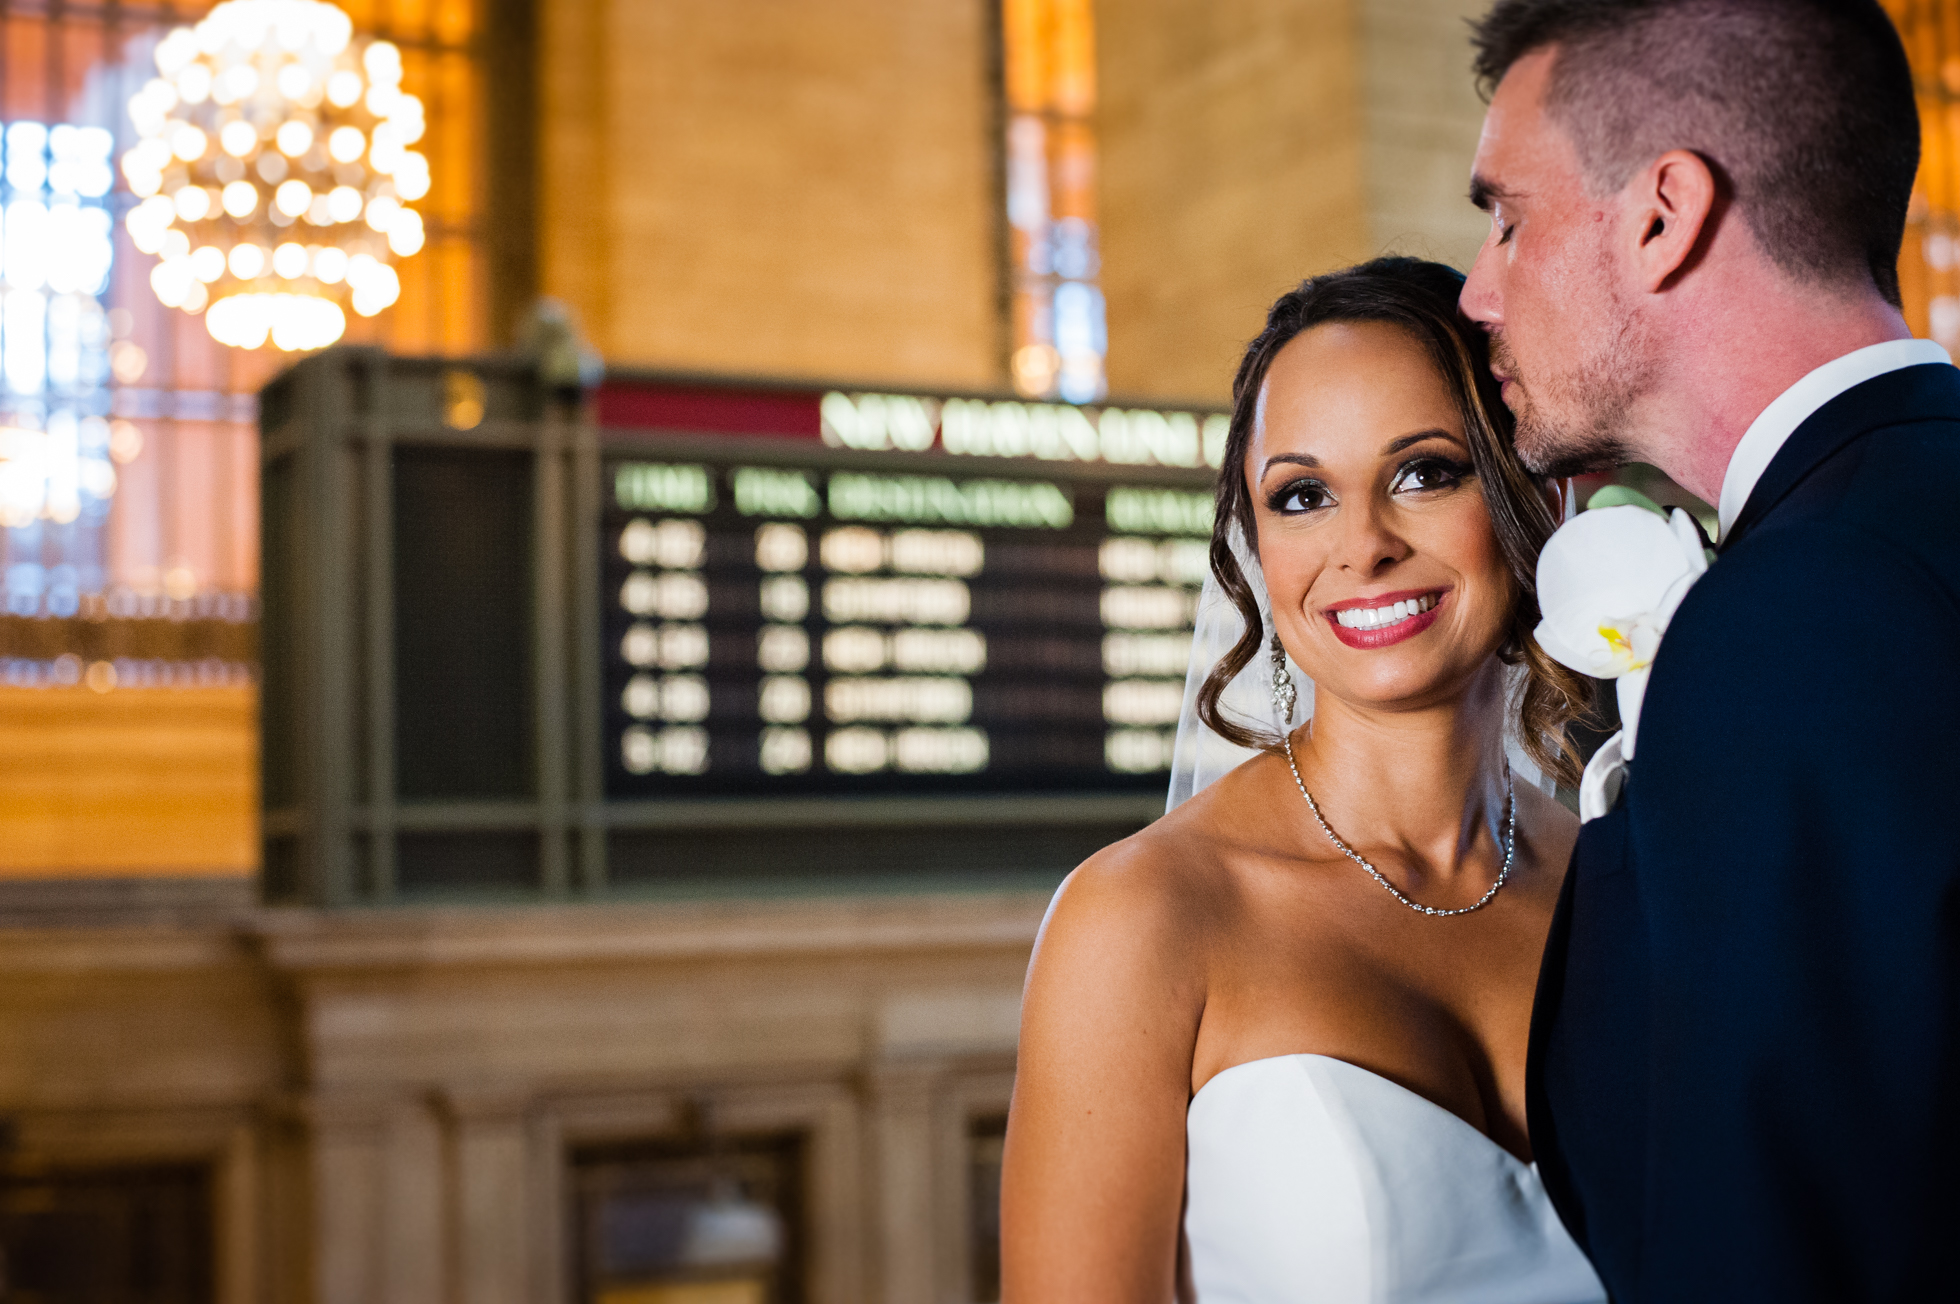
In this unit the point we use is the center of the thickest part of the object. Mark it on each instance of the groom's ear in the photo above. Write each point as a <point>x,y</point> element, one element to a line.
<point>1674,202</point>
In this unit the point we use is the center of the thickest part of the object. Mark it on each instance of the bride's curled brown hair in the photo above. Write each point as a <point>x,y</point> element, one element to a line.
<point>1420,298</point>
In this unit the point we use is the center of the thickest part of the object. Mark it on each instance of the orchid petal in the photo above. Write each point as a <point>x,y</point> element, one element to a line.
<point>1629,691</point>
<point>1690,540</point>
<point>1606,773</point>
<point>1631,547</point>
<point>1574,654</point>
<point>1671,600</point>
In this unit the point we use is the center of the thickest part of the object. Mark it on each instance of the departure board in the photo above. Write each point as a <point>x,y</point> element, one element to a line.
<point>914,626</point>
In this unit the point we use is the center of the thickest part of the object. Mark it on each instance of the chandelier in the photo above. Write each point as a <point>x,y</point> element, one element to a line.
<point>275,172</point>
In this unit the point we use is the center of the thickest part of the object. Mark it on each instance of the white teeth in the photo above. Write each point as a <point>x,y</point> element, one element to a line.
<point>1380,617</point>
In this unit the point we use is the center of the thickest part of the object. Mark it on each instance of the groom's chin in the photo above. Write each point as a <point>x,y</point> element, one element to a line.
<point>1556,456</point>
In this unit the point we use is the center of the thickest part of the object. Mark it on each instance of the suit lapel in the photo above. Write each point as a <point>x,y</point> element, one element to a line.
<point>1927,391</point>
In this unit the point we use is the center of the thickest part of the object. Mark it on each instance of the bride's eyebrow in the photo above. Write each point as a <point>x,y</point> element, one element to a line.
<point>1289,459</point>
<point>1419,437</point>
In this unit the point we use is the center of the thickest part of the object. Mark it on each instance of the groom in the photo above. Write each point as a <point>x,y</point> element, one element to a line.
<point>1745,1059</point>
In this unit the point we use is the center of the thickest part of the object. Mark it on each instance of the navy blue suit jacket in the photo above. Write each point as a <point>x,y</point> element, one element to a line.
<point>1744,1080</point>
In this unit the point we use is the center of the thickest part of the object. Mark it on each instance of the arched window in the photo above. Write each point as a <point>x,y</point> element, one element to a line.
<point>1059,337</point>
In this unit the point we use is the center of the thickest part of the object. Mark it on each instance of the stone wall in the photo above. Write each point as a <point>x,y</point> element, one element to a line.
<point>778,188</point>
<point>1423,116</point>
<point>1233,164</point>
<point>1246,146</point>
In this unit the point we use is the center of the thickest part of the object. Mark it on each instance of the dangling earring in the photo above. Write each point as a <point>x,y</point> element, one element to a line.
<point>1284,693</point>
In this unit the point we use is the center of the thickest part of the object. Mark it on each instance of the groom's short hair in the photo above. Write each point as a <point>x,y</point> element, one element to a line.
<point>1804,107</point>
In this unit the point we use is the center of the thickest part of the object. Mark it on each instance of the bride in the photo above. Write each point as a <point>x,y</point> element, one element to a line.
<point>1273,1046</point>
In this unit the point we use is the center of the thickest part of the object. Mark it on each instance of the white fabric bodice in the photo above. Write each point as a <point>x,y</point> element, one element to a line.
<point>1312,1181</point>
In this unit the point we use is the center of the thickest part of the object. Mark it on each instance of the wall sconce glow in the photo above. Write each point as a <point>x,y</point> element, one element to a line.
<point>276,171</point>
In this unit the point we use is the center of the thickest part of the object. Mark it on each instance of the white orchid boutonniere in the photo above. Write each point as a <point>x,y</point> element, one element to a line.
<point>1609,580</point>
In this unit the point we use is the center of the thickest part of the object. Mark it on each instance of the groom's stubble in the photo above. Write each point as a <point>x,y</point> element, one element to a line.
<point>1579,421</point>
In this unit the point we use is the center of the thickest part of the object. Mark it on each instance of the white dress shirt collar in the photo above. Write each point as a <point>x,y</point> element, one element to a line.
<point>1770,431</point>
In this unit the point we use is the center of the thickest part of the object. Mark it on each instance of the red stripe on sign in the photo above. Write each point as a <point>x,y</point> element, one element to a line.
<point>630,406</point>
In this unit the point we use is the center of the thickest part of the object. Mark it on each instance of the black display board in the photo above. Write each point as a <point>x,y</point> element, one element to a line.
<point>820,627</point>
<point>700,636</point>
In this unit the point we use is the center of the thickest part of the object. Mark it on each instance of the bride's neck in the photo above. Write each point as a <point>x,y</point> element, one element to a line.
<point>1423,781</point>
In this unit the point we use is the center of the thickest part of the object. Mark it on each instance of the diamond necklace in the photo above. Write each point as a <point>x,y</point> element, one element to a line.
<point>1504,871</point>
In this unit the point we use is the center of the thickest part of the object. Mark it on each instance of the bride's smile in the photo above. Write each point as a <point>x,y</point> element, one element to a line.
<point>1385,619</point>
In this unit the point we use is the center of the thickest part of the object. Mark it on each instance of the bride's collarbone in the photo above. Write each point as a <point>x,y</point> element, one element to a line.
<point>1440,1006</point>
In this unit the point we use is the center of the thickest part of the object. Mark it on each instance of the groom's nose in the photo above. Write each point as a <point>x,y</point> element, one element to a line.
<point>1480,300</point>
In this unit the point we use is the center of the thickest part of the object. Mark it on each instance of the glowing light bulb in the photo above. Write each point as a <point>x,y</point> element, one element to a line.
<point>405,236</point>
<point>241,198</point>
<point>172,279</point>
<point>247,261</point>
<point>294,138</point>
<point>291,321</point>
<point>238,138</point>
<point>408,118</point>
<point>330,265</point>
<point>160,93</point>
<point>188,143</point>
<point>346,144</point>
<point>412,176</point>
<point>383,61</point>
<point>293,197</point>
<point>344,88</point>
<point>149,222</point>
<point>208,263</point>
<point>193,203</point>
<point>344,203</point>
<point>289,260</point>
<point>143,182</point>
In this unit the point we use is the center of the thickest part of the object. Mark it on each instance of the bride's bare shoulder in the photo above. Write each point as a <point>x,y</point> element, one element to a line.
<point>1177,872</point>
<point>1125,943</point>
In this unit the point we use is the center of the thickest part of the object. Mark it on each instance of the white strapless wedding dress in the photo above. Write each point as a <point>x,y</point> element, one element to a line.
<point>1312,1181</point>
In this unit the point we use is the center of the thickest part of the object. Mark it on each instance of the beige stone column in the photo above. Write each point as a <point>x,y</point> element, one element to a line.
<point>491,1162</point>
<point>903,1139</point>
<point>413,1217</point>
<point>378,1212</point>
<point>346,1134</point>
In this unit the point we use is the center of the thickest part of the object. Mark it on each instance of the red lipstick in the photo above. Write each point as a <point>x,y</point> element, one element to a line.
<point>1385,636</point>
